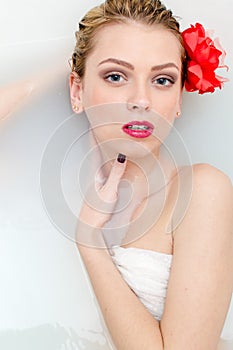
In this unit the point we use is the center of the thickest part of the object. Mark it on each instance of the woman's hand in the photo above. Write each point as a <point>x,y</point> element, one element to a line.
<point>99,203</point>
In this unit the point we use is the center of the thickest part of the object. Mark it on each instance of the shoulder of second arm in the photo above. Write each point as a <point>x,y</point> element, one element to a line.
<point>205,177</point>
<point>208,179</point>
<point>203,191</point>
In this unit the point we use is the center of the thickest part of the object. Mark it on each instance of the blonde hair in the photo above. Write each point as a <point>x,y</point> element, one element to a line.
<point>117,11</point>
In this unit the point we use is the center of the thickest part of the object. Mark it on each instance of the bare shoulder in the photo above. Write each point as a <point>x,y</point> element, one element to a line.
<point>209,175</point>
<point>203,172</point>
<point>205,191</point>
<point>203,181</point>
<point>211,189</point>
<point>194,190</point>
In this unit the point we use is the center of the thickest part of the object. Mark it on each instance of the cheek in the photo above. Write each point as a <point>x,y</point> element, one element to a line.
<point>167,106</point>
<point>106,132</point>
<point>90,96</point>
<point>94,92</point>
<point>96,96</point>
<point>166,110</point>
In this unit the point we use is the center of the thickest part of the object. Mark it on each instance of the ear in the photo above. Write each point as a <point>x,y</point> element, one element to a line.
<point>76,89</point>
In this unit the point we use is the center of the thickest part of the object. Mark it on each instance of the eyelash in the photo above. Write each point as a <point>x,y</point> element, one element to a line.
<point>117,74</point>
<point>106,76</point>
<point>170,80</point>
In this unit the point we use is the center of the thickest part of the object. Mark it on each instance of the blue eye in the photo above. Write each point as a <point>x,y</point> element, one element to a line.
<point>114,78</point>
<point>164,81</point>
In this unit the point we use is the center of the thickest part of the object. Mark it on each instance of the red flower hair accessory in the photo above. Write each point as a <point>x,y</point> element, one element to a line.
<point>202,61</point>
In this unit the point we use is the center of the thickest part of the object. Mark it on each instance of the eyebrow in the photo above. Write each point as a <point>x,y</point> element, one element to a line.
<point>119,62</point>
<point>165,65</point>
<point>131,67</point>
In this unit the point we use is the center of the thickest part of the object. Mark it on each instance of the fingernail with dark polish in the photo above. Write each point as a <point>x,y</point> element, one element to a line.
<point>121,158</point>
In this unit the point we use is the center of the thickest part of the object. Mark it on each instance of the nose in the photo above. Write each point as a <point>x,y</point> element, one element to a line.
<point>139,99</point>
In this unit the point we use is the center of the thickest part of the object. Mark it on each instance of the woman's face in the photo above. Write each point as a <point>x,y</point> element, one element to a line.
<point>136,66</point>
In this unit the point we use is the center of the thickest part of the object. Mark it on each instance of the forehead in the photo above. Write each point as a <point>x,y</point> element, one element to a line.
<point>132,41</point>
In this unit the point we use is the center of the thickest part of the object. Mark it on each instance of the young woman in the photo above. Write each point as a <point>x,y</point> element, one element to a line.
<point>155,290</point>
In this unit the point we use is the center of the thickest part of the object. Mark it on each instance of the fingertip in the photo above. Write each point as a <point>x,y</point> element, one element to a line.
<point>118,169</point>
<point>121,158</point>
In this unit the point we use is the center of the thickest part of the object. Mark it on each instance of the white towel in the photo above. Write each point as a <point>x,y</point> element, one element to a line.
<point>147,273</point>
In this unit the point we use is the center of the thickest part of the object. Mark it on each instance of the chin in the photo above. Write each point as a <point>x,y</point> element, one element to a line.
<point>132,149</point>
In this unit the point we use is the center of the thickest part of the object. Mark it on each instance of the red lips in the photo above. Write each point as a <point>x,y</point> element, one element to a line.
<point>138,129</point>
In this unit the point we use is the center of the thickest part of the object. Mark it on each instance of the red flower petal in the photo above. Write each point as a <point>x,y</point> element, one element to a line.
<point>203,59</point>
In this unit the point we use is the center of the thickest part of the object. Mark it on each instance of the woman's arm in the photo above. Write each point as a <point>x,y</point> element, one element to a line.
<point>13,95</point>
<point>201,280</point>
<point>131,326</point>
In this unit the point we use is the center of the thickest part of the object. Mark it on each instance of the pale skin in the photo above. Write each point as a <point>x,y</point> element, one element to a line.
<point>12,97</point>
<point>17,93</point>
<point>201,278</point>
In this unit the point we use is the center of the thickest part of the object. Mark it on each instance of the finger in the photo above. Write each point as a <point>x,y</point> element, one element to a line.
<point>99,179</point>
<point>99,206</point>
<point>110,188</point>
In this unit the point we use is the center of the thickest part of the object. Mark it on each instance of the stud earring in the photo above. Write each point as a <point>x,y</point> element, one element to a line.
<point>75,108</point>
<point>178,114</point>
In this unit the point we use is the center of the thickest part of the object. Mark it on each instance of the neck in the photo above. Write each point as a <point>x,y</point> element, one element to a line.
<point>147,174</point>
<point>136,168</point>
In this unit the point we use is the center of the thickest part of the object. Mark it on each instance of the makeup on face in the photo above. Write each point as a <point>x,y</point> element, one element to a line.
<point>166,74</point>
<point>138,129</point>
<point>132,66</point>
